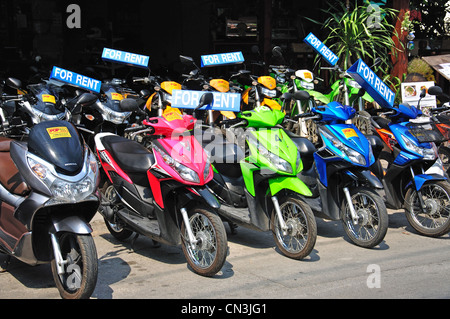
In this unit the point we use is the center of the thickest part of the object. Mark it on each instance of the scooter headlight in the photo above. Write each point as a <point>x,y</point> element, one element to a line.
<point>344,150</point>
<point>427,153</point>
<point>64,188</point>
<point>278,162</point>
<point>185,172</point>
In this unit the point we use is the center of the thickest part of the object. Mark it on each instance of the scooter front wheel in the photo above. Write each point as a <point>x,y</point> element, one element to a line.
<point>207,256</point>
<point>81,268</point>
<point>434,219</point>
<point>372,223</point>
<point>298,240</point>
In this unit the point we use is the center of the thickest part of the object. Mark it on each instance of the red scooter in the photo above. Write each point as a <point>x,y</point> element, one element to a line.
<point>161,193</point>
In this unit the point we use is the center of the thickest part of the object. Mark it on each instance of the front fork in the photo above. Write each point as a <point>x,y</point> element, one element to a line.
<point>59,260</point>
<point>353,213</point>
<point>192,240</point>
<point>276,205</point>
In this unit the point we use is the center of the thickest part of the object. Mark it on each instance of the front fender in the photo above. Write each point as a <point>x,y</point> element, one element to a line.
<point>369,177</point>
<point>72,224</point>
<point>288,182</point>
<point>421,179</point>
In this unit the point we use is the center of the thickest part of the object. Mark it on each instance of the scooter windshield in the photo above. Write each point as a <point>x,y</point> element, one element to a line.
<point>46,99</point>
<point>59,143</point>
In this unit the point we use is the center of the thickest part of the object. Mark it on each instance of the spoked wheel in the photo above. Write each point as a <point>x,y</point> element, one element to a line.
<point>434,220</point>
<point>300,237</point>
<point>115,227</point>
<point>372,223</point>
<point>81,269</point>
<point>207,255</point>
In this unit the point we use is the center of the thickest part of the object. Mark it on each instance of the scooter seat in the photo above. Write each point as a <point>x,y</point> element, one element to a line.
<point>381,122</point>
<point>10,177</point>
<point>131,156</point>
<point>305,147</point>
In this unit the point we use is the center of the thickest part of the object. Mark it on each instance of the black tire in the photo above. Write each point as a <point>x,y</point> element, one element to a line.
<point>301,236</point>
<point>373,220</point>
<point>209,254</point>
<point>435,221</point>
<point>80,276</point>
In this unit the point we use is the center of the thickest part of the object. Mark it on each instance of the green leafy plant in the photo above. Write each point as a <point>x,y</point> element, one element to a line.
<point>362,32</point>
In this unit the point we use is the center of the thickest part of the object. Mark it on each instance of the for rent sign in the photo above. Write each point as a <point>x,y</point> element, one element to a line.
<point>75,79</point>
<point>222,59</point>
<point>189,99</point>
<point>373,85</point>
<point>125,57</point>
<point>322,49</point>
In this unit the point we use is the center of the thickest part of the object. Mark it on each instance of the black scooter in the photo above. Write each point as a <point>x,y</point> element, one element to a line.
<point>48,194</point>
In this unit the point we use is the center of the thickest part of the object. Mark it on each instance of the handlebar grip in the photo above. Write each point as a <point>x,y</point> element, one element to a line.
<point>135,129</point>
<point>439,109</point>
<point>11,97</point>
<point>233,121</point>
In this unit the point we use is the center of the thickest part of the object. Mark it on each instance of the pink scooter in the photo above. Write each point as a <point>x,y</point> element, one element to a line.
<point>161,193</point>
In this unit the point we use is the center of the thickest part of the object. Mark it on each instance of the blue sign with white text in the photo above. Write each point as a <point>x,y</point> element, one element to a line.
<point>187,99</point>
<point>76,79</point>
<point>125,57</point>
<point>322,49</point>
<point>373,85</point>
<point>222,59</point>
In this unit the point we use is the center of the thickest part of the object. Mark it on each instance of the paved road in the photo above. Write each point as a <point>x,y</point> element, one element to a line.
<point>405,265</point>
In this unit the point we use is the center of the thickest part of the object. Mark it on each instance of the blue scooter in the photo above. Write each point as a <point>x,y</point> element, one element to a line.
<point>411,152</point>
<point>337,172</point>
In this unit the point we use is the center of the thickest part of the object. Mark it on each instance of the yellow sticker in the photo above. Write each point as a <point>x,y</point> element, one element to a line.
<point>349,132</point>
<point>47,98</point>
<point>58,132</point>
<point>172,114</point>
<point>116,96</point>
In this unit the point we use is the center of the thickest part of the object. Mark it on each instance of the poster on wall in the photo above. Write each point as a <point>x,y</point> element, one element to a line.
<point>411,94</point>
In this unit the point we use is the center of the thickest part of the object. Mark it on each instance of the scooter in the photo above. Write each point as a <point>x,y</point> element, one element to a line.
<point>48,196</point>
<point>338,174</point>
<point>161,194</point>
<point>32,105</point>
<point>260,190</point>
<point>412,151</point>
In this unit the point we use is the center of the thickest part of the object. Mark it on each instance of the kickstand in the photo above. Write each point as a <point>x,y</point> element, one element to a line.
<point>133,241</point>
<point>233,227</point>
<point>4,265</point>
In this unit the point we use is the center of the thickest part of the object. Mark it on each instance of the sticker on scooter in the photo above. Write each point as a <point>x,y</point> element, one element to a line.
<point>172,116</point>
<point>222,59</point>
<point>349,132</point>
<point>47,98</point>
<point>187,99</point>
<point>322,49</point>
<point>373,85</point>
<point>58,132</point>
<point>75,79</point>
<point>128,58</point>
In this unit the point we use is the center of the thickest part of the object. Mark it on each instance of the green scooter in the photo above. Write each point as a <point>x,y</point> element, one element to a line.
<point>259,189</point>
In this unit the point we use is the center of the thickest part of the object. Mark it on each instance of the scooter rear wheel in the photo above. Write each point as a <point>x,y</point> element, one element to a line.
<point>434,221</point>
<point>80,276</point>
<point>299,239</point>
<point>207,256</point>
